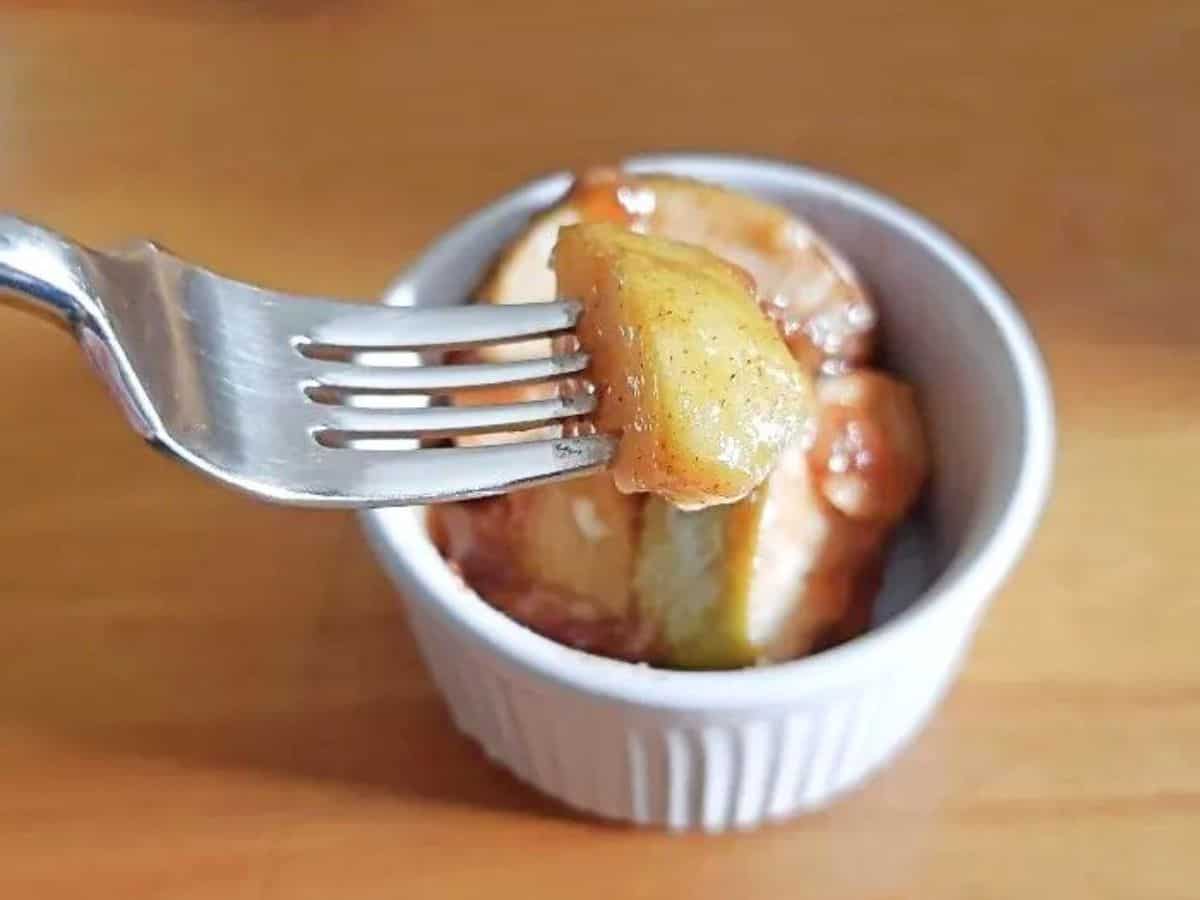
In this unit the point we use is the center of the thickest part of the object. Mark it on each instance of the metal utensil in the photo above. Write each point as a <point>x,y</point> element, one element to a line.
<point>296,399</point>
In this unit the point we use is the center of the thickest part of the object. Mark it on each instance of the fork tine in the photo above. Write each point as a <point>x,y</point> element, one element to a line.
<point>443,421</point>
<point>417,378</point>
<point>369,478</point>
<point>394,328</point>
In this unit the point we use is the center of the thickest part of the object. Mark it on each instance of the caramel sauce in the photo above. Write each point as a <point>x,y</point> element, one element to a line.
<point>611,195</point>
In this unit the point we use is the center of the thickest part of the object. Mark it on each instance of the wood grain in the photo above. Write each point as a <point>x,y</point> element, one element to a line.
<point>202,697</point>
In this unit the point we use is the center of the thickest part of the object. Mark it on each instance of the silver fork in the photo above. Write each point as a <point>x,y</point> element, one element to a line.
<point>296,399</point>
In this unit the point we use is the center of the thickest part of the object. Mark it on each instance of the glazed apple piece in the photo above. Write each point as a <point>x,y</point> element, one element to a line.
<point>869,456</point>
<point>822,309</point>
<point>826,314</point>
<point>557,558</point>
<point>795,566</point>
<point>694,380</point>
<point>812,292</point>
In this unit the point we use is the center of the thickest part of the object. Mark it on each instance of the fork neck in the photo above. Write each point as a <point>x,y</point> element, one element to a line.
<point>44,270</point>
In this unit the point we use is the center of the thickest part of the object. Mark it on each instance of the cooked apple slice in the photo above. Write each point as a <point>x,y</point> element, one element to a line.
<point>693,377</point>
<point>767,579</point>
<point>579,536</point>
<point>870,457</point>
<point>808,287</point>
<point>795,566</point>
<point>557,558</point>
<point>689,582</point>
<point>825,313</point>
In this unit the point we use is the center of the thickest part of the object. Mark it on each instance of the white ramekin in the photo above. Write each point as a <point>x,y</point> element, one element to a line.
<point>718,750</point>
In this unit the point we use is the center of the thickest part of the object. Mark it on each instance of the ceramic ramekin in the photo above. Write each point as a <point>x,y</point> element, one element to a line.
<point>718,750</point>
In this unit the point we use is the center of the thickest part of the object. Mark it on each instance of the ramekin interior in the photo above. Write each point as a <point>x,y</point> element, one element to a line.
<point>948,326</point>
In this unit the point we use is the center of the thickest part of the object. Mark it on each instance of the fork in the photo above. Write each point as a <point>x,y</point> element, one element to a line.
<point>301,400</point>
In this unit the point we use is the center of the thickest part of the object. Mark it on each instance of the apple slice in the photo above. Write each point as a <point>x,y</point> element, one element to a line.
<point>558,559</point>
<point>693,377</point>
<point>811,290</point>
<point>795,566</point>
<point>826,314</point>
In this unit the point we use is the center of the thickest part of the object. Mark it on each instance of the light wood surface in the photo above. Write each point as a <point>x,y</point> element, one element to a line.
<point>201,697</point>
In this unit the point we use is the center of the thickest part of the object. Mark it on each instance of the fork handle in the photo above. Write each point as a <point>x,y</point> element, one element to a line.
<point>50,274</point>
<point>45,270</point>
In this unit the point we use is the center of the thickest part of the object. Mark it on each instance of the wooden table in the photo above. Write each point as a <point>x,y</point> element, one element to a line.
<point>203,697</point>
